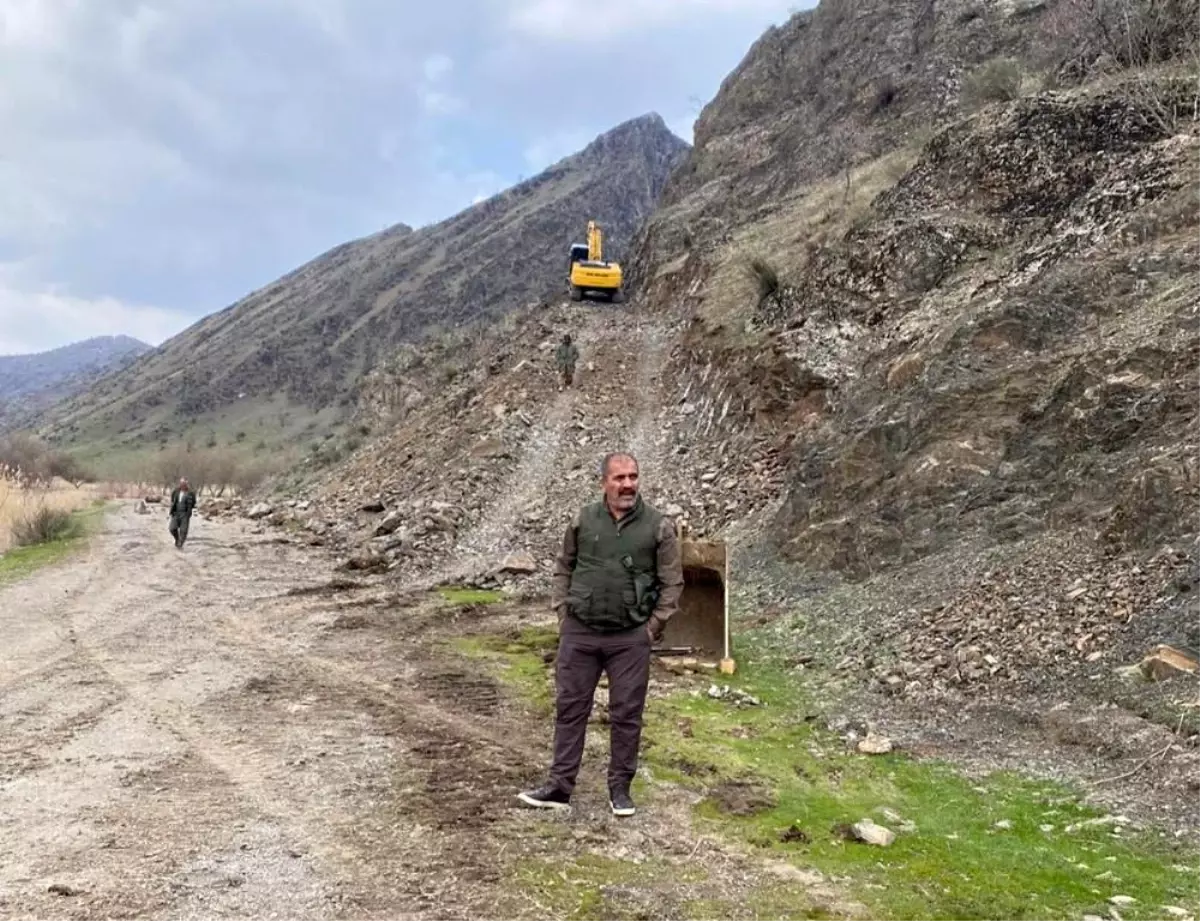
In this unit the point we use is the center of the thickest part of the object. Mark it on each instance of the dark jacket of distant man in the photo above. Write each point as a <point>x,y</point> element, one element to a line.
<point>565,358</point>
<point>183,503</point>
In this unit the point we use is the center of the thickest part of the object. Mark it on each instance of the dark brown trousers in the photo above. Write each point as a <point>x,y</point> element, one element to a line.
<point>583,655</point>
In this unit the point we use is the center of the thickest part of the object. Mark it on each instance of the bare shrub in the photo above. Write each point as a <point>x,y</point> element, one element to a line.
<point>1130,33</point>
<point>998,80</point>
<point>765,277</point>
<point>43,525</point>
<point>27,460</point>
<point>215,470</point>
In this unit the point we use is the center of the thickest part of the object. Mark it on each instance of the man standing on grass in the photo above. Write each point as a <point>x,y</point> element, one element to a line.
<point>183,501</point>
<point>617,582</point>
<point>565,358</point>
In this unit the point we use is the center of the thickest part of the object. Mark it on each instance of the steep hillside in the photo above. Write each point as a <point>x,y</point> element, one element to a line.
<point>32,382</point>
<point>917,334</point>
<point>282,362</point>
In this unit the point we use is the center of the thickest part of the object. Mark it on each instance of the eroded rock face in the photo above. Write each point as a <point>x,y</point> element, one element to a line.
<point>1042,365</point>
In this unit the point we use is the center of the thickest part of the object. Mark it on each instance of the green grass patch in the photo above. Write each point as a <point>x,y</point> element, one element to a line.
<point>574,889</point>
<point>996,847</point>
<point>592,887</point>
<point>517,661</point>
<point>20,562</point>
<point>455,595</point>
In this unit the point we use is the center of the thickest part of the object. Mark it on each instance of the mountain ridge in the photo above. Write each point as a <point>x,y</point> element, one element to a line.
<point>283,361</point>
<point>31,382</point>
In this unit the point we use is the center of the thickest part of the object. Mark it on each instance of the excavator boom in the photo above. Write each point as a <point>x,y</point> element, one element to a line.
<point>595,240</point>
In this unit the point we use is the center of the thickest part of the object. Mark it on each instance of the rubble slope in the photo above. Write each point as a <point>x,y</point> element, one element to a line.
<point>294,350</point>
<point>938,393</point>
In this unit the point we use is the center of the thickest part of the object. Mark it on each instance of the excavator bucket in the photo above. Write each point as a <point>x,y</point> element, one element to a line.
<point>700,627</point>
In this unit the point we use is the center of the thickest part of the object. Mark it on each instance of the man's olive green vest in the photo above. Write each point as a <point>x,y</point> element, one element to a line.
<point>614,585</point>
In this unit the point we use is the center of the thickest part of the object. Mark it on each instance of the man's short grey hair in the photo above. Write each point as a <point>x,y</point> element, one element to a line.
<point>613,455</point>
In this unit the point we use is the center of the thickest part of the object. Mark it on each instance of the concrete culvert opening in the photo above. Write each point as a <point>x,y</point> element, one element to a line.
<point>698,627</point>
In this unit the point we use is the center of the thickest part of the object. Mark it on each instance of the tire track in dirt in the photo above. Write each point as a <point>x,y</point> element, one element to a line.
<point>155,708</point>
<point>549,451</point>
<point>233,750</point>
<point>492,535</point>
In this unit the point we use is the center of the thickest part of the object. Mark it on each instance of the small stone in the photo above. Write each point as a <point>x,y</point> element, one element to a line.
<point>868,832</point>
<point>519,562</point>
<point>389,524</point>
<point>261,510</point>
<point>1122,901</point>
<point>1165,662</point>
<point>875,745</point>
<point>1003,825</point>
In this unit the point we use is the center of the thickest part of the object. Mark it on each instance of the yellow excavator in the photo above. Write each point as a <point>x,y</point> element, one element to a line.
<point>591,273</point>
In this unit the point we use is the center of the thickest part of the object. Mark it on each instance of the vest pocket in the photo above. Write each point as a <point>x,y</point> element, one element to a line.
<point>579,600</point>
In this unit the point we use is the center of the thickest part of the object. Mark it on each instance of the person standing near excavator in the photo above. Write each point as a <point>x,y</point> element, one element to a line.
<point>565,358</point>
<point>617,582</point>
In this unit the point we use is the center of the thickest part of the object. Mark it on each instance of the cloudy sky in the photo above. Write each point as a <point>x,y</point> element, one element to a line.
<point>161,158</point>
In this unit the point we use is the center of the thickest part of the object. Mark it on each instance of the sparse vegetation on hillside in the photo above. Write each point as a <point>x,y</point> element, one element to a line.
<point>1129,33</point>
<point>765,277</point>
<point>999,80</point>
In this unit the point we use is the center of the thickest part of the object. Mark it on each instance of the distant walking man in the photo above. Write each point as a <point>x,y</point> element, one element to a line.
<point>183,501</point>
<point>618,580</point>
<point>566,357</point>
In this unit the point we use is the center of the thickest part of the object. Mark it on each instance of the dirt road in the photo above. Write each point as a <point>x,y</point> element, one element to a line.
<point>219,732</point>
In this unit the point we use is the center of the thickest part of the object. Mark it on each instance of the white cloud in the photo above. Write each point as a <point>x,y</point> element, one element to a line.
<point>568,20</point>
<point>36,317</point>
<point>33,24</point>
<point>435,102</point>
<point>433,98</point>
<point>437,66</point>
<point>180,154</point>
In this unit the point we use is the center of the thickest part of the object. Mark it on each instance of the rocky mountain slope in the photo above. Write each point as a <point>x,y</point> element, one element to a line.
<point>31,382</point>
<point>917,333</point>
<point>290,353</point>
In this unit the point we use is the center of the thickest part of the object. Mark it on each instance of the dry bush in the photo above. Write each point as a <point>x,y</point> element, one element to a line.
<point>1130,33</point>
<point>886,92</point>
<point>998,80</point>
<point>764,275</point>
<point>19,504</point>
<point>43,525</point>
<point>214,470</point>
<point>31,462</point>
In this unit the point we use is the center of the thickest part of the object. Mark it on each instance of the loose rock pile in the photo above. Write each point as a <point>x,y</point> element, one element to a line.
<point>1040,618</point>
